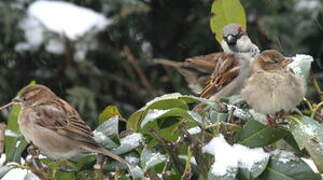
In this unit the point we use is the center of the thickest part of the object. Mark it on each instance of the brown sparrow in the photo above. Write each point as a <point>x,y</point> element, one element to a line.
<point>54,126</point>
<point>272,87</point>
<point>209,75</point>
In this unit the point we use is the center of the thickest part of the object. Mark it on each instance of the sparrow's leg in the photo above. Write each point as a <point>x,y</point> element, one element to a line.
<point>35,165</point>
<point>271,121</point>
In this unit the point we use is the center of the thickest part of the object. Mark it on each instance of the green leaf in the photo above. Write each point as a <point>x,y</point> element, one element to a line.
<point>308,134</point>
<point>64,175</point>
<point>107,132</point>
<point>285,165</point>
<point>149,158</point>
<point>255,134</point>
<point>226,12</point>
<point>4,170</point>
<point>167,101</point>
<point>107,113</point>
<point>136,172</point>
<point>253,172</point>
<point>165,122</point>
<point>129,143</point>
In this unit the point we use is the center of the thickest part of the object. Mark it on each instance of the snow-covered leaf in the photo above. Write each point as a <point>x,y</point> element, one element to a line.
<point>286,166</point>
<point>129,143</point>
<point>108,113</point>
<point>4,170</point>
<point>301,65</point>
<point>150,157</point>
<point>229,158</point>
<point>109,129</point>
<point>136,172</point>
<point>308,134</point>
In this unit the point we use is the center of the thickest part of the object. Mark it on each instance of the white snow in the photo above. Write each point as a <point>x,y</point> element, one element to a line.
<point>133,140</point>
<point>152,115</point>
<point>284,156</point>
<point>48,22</point>
<point>17,173</point>
<point>311,164</point>
<point>301,65</point>
<point>66,18</point>
<point>228,157</point>
<point>10,133</point>
<point>194,130</point>
<point>309,5</point>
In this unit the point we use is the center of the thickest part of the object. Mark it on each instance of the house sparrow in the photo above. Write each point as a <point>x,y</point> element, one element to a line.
<point>209,75</point>
<point>53,125</point>
<point>272,87</point>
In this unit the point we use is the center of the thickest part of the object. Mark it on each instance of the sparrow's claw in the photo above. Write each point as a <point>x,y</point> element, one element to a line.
<point>33,151</point>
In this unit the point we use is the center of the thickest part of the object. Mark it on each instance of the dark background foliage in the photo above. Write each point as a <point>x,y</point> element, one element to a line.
<point>120,71</point>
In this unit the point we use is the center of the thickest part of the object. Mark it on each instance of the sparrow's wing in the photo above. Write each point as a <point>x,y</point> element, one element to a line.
<point>61,117</point>
<point>196,70</point>
<point>225,70</point>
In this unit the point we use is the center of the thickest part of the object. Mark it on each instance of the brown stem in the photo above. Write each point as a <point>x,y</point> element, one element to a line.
<point>2,136</point>
<point>138,69</point>
<point>196,147</point>
<point>152,174</point>
<point>171,149</point>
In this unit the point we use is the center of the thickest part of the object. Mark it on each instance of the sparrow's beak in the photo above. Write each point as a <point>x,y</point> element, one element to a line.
<point>231,40</point>
<point>16,100</point>
<point>286,62</point>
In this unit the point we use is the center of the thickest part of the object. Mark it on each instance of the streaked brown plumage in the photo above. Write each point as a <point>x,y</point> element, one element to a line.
<point>54,126</point>
<point>210,75</point>
<point>272,87</point>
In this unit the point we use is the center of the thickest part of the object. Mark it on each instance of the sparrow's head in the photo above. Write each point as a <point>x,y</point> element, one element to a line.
<point>232,33</point>
<point>272,59</point>
<point>33,95</point>
<point>235,39</point>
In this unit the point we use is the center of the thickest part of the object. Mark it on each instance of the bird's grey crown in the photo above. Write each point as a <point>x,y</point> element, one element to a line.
<point>231,29</point>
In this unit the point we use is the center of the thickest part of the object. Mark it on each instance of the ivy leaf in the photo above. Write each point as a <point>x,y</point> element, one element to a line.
<point>226,12</point>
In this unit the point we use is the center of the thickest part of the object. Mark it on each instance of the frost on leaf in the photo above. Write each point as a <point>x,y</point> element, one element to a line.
<point>228,158</point>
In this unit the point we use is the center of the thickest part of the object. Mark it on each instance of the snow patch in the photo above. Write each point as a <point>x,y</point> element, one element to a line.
<point>72,21</point>
<point>228,157</point>
<point>311,164</point>
<point>301,65</point>
<point>49,22</point>
<point>284,156</point>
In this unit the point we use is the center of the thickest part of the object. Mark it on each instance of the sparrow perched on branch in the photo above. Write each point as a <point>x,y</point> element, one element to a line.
<point>272,87</point>
<point>53,125</point>
<point>210,76</point>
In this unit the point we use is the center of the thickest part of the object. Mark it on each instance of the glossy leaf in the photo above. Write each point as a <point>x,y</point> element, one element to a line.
<point>255,134</point>
<point>308,134</point>
<point>150,157</point>
<point>107,132</point>
<point>226,12</point>
<point>107,113</point>
<point>286,166</point>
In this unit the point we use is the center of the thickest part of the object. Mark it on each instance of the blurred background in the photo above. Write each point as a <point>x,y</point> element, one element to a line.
<point>108,61</point>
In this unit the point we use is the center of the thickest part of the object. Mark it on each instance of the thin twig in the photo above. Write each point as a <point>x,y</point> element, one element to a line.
<point>197,151</point>
<point>138,69</point>
<point>317,88</point>
<point>2,136</point>
<point>172,151</point>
